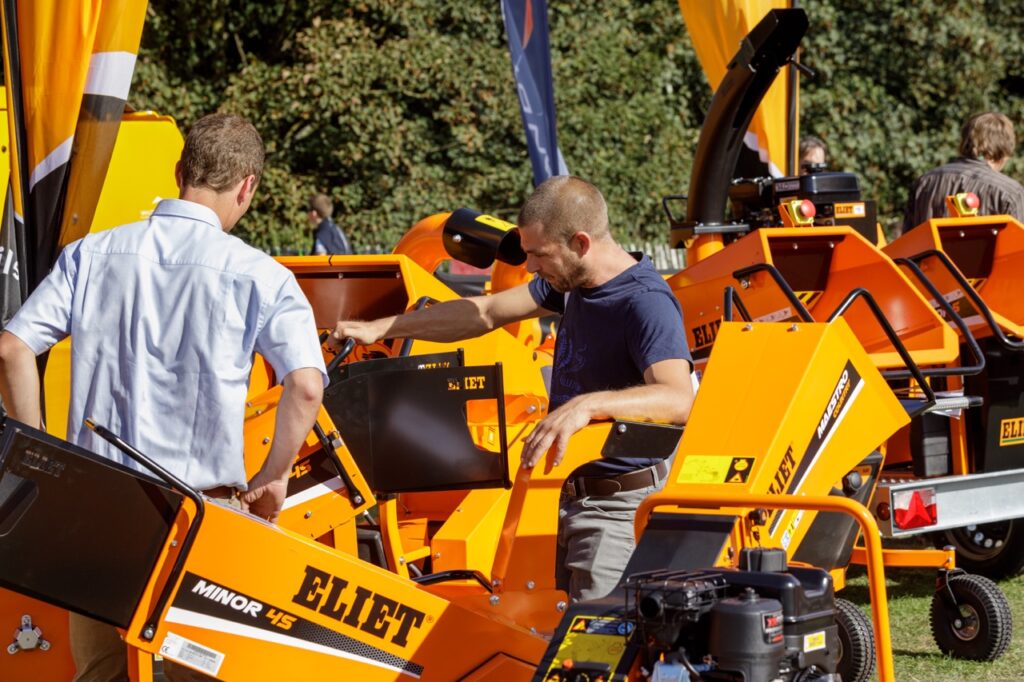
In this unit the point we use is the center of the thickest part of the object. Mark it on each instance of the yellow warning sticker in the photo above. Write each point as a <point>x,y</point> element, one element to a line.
<point>703,469</point>
<point>814,641</point>
<point>494,222</point>
<point>592,639</point>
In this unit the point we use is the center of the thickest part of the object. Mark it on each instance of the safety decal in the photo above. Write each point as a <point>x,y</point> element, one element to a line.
<point>777,316</point>
<point>205,604</point>
<point>845,391</point>
<point>706,469</point>
<point>808,298</point>
<point>1011,431</point>
<point>814,641</point>
<point>177,648</point>
<point>739,470</point>
<point>592,639</point>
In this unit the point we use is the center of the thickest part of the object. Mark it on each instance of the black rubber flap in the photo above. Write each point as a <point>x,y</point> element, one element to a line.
<point>77,530</point>
<point>407,428</point>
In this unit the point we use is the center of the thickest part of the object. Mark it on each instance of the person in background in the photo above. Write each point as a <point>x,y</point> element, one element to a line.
<point>987,141</point>
<point>813,155</point>
<point>165,315</point>
<point>327,236</point>
<point>640,372</point>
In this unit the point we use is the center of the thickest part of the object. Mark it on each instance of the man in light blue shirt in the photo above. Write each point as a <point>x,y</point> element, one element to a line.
<point>165,315</point>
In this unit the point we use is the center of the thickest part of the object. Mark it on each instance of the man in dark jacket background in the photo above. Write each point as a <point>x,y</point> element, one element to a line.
<point>327,236</point>
<point>987,142</point>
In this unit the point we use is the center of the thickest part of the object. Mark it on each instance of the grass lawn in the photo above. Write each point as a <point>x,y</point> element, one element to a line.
<point>916,657</point>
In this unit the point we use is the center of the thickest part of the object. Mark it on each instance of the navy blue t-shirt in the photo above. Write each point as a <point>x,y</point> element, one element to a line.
<point>608,337</point>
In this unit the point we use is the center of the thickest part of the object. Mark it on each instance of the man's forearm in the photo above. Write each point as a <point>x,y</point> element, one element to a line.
<point>443,322</point>
<point>650,402</point>
<point>296,413</point>
<point>19,381</point>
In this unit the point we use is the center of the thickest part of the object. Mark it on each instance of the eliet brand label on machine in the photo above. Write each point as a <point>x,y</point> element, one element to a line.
<point>846,389</point>
<point>1011,431</point>
<point>205,604</point>
<point>849,210</point>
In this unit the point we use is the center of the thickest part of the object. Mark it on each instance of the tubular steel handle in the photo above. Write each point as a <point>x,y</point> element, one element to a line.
<point>731,297</point>
<point>976,299</point>
<point>912,369</point>
<point>149,629</point>
<point>972,343</point>
<point>798,306</point>
<point>869,530</point>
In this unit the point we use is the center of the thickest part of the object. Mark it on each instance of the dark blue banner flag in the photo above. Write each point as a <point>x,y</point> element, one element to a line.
<point>526,24</point>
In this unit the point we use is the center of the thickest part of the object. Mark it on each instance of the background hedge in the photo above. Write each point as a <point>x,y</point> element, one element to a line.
<point>403,109</point>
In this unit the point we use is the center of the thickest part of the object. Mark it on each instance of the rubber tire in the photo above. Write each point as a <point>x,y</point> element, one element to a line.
<point>857,658</point>
<point>995,620</point>
<point>1004,562</point>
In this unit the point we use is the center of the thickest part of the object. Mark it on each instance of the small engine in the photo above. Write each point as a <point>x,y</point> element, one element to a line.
<point>836,196</point>
<point>708,624</point>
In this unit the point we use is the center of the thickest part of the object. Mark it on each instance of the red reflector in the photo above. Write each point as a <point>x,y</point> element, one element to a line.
<point>972,200</point>
<point>914,508</point>
<point>808,209</point>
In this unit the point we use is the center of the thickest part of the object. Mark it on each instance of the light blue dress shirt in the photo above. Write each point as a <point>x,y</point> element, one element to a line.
<point>165,315</point>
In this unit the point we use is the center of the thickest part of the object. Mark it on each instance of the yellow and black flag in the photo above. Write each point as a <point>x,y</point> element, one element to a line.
<point>716,28</point>
<point>67,68</point>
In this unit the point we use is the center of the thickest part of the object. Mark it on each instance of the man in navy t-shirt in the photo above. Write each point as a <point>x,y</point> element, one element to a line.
<point>621,352</point>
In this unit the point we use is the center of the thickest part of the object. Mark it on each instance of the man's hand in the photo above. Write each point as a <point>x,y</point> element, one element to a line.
<point>364,333</point>
<point>555,430</point>
<point>265,498</point>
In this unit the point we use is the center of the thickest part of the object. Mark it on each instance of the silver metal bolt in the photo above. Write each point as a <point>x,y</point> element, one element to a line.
<point>748,327</point>
<point>457,238</point>
<point>560,607</point>
<point>495,583</point>
<point>495,599</point>
<point>307,515</point>
<point>401,560</point>
<point>744,283</point>
<point>266,440</point>
<point>437,555</point>
<point>358,500</point>
<point>792,328</point>
<point>621,428</point>
<point>530,409</point>
<point>530,584</point>
<point>174,543</point>
<point>148,633</point>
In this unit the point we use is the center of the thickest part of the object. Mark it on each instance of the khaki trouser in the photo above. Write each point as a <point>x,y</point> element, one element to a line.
<point>101,655</point>
<point>595,541</point>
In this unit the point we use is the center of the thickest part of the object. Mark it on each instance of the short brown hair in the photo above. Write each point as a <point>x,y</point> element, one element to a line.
<point>988,136</point>
<point>565,205</point>
<point>322,204</point>
<point>220,151</point>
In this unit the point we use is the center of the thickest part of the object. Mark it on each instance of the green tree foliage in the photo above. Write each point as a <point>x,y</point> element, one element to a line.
<point>403,109</point>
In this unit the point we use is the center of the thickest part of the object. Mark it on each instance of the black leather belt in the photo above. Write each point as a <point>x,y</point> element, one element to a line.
<point>589,486</point>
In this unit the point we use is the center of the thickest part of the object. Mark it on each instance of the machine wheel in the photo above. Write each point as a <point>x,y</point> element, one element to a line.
<point>981,628</point>
<point>994,550</point>
<point>857,642</point>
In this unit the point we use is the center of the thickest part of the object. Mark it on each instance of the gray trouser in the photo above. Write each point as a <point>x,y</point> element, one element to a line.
<point>595,541</point>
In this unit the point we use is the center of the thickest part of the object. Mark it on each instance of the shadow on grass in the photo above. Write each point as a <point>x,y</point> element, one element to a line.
<point>900,582</point>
